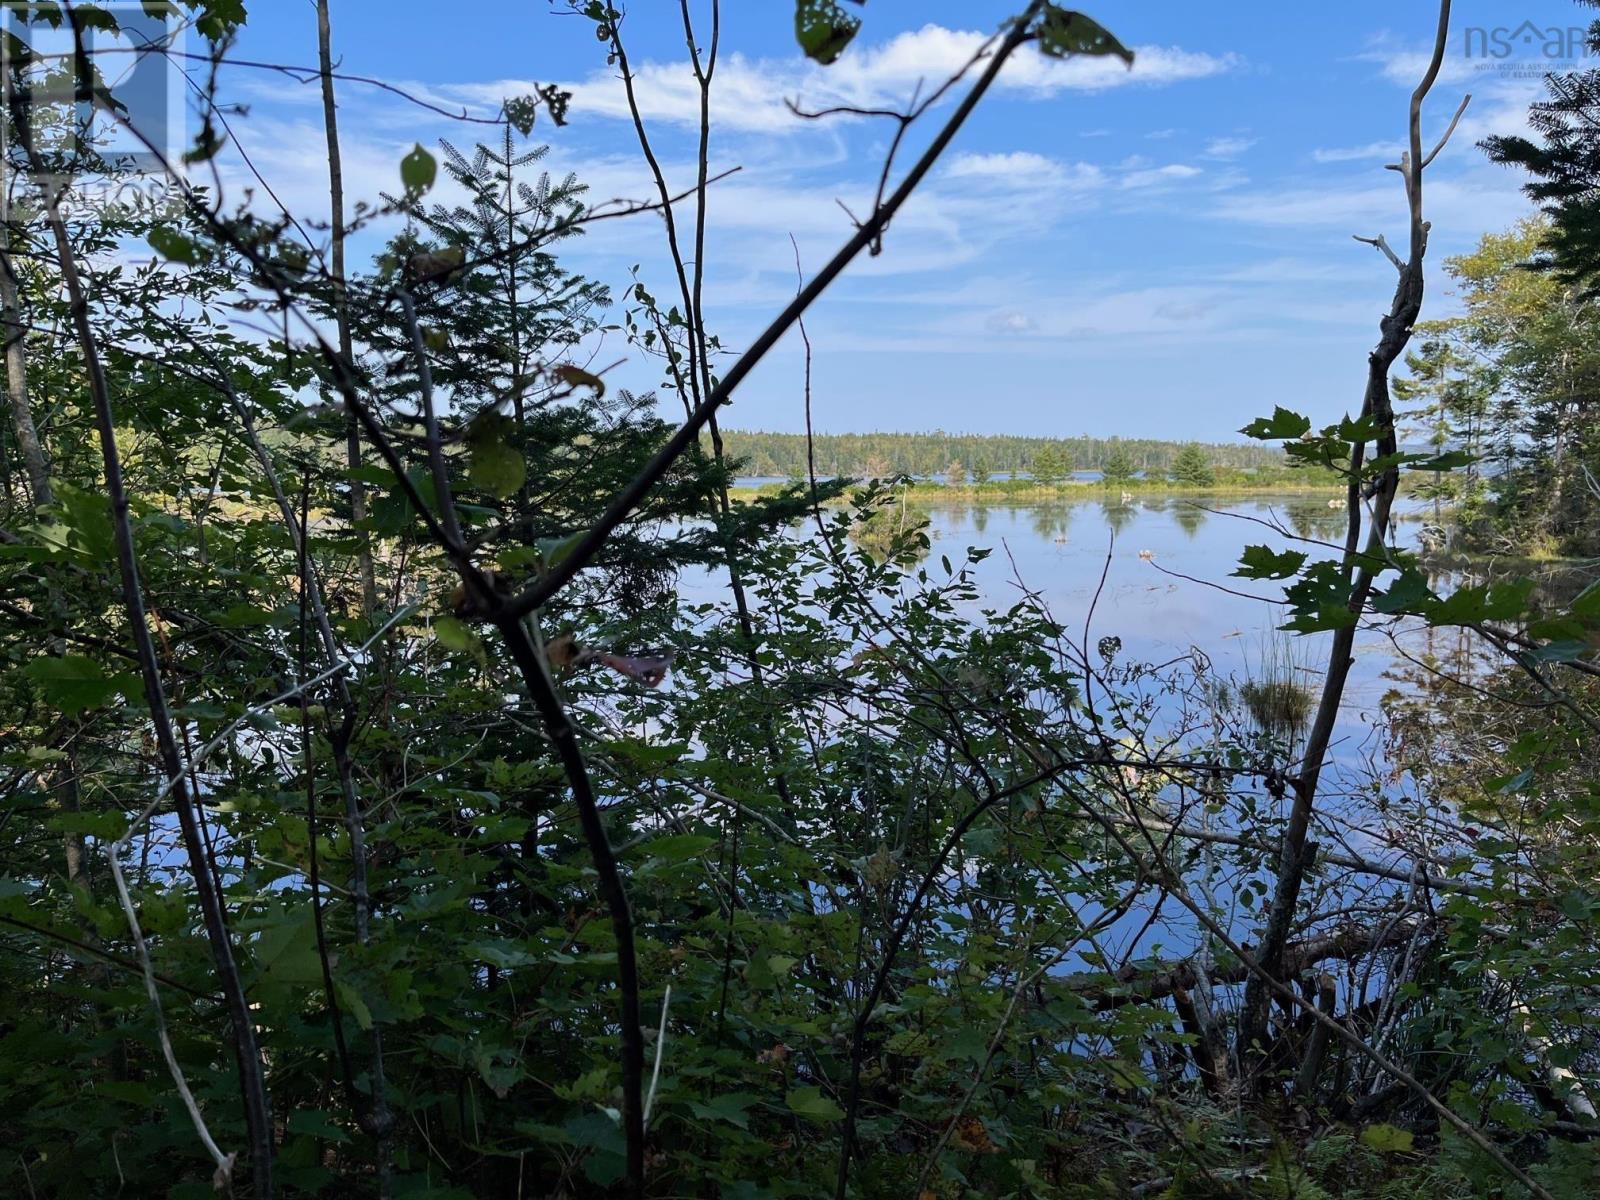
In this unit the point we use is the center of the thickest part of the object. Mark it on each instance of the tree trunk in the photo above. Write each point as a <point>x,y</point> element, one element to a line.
<point>341,306</point>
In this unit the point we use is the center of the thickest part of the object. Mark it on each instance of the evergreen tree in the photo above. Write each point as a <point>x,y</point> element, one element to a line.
<point>519,309</point>
<point>1118,466</point>
<point>1049,467</point>
<point>1192,468</point>
<point>547,444</point>
<point>1565,169</point>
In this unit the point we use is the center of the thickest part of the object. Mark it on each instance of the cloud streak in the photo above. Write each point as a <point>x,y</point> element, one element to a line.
<point>751,94</point>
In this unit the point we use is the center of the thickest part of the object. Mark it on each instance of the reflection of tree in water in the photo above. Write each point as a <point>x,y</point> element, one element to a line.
<point>1050,521</point>
<point>1189,518</point>
<point>1118,515</point>
<point>1313,518</point>
<point>980,517</point>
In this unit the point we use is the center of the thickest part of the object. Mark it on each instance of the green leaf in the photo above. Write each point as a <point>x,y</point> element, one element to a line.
<point>497,468</point>
<point>1587,605</point>
<point>810,1103</point>
<point>73,682</point>
<point>287,949</point>
<point>823,29</point>
<point>1450,461</point>
<point>1386,1139</point>
<point>174,246</point>
<point>1408,594</point>
<point>730,1108</point>
<point>1063,33</point>
<point>553,551</point>
<point>351,1001</point>
<point>220,17</point>
<point>681,847</point>
<point>1283,425</point>
<point>454,634</point>
<point>418,170</point>
<point>1484,602</point>
<point>1262,562</point>
<point>1319,599</point>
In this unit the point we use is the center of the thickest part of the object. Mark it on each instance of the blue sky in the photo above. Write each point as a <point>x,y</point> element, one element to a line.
<point>1161,252</point>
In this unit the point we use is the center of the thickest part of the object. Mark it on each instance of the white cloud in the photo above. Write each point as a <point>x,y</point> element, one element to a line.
<point>1372,150</point>
<point>1010,322</point>
<point>1159,176</point>
<point>1024,171</point>
<point>1228,147</point>
<point>1464,206</point>
<point>1023,168</point>
<point>750,94</point>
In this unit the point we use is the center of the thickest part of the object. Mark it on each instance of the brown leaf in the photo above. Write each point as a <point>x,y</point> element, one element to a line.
<point>973,1137</point>
<point>649,670</point>
<point>562,651</point>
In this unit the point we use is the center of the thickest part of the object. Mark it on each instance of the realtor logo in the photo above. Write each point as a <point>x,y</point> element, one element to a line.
<point>1551,44</point>
<point>105,100</point>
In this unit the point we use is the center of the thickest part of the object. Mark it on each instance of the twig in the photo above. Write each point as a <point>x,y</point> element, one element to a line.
<point>536,595</point>
<point>661,1042</point>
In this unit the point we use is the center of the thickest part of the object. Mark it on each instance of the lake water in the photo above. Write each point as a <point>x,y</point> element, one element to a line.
<point>1167,562</point>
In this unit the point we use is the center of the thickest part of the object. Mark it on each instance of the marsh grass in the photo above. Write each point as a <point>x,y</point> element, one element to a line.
<point>1274,693</point>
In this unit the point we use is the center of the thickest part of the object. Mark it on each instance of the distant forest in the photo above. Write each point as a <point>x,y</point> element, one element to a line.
<point>881,454</point>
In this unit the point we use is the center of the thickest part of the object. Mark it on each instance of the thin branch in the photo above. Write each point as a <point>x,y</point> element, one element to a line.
<point>1454,121</point>
<point>257,1105</point>
<point>537,594</point>
<point>1382,243</point>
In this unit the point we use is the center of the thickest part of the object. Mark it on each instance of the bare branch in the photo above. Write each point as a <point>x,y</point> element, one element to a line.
<point>1382,243</point>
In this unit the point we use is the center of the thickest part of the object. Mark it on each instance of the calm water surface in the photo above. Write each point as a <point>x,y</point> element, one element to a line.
<point>1167,590</point>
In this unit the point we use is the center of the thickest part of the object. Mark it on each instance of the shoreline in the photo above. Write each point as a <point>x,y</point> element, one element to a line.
<point>933,495</point>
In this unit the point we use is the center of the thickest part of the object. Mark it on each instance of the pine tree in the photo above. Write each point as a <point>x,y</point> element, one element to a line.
<point>1565,169</point>
<point>1192,468</point>
<point>546,444</point>
<point>519,310</point>
<point>1118,466</point>
<point>1049,467</point>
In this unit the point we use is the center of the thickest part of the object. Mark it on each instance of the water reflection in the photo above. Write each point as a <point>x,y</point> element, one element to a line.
<point>1119,514</point>
<point>1315,518</point>
<point>1189,518</point>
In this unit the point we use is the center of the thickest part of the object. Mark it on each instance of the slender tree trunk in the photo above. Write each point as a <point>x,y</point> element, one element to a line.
<point>1360,556</point>
<point>37,466</point>
<point>252,1074</point>
<point>33,456</point>
<point>380,1121</point>
<point>341,304</point>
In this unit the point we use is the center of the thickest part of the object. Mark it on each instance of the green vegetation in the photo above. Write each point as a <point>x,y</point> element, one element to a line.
<point>1192,468</point>
<point>882,455</point>
<point>419,780</point>
<point>1033,490</point>
<point>1504,389</point>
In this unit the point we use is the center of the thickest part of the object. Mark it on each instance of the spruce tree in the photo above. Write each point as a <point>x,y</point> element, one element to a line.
<point>1118,466</point>
<point>1192,468</point>
<point>1565,169</point>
